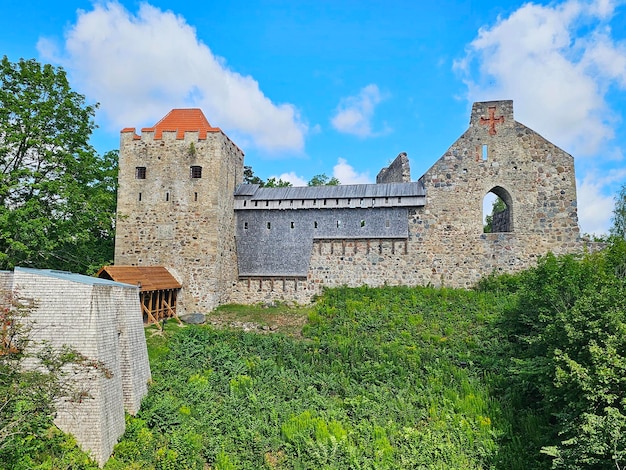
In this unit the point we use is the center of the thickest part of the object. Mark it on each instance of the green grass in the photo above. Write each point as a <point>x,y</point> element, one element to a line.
<point>525,372</point>
<point>383,378</point>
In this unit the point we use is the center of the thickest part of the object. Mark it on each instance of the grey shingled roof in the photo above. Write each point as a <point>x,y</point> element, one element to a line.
<point>71,277</point>
<point>342,191</point>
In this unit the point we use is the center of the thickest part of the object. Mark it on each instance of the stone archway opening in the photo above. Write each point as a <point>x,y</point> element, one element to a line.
<point>497,211</point>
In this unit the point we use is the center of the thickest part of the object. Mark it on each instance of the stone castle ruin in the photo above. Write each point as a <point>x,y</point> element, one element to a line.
<point>182,205</point>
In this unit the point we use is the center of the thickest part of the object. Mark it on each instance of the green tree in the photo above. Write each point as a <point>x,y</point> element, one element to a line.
<point>568,327</point>
<point>276,183</point>
<point>57,196</point>
<point>619,214</point>
<point>250,178</point>
<point>323,180</point>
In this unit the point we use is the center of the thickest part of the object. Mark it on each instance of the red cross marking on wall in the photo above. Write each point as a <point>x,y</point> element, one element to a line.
<point>492,120</point>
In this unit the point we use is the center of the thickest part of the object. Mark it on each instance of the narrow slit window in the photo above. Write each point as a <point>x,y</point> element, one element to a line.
<point>362,223</point>
<point>245,225</point>
<point>292,225</point>
<point>140,197</point>
<point>485,152</point>
<point>140,172</point>
<point>195,172</point>
<point>315,224</point>
<point>338,223</point>
<point>167,197</point>
<point>387,223</point>
<point>269,225</point>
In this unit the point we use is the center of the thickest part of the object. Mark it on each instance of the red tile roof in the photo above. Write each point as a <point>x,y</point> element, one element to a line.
<point>180,121</point>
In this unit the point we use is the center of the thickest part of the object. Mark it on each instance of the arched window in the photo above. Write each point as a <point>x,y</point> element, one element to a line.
<point>497,211</point>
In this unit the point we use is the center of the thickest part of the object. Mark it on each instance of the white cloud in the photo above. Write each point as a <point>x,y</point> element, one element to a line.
<point>141,66</point>
<point>595,207</point>
<point>294,179</point>
<point>343,171</point>
<point>557,62</point>
<point>346,174</point>
<point>354,113</point>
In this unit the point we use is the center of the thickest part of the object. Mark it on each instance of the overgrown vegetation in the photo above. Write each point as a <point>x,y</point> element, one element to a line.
<point>526,371</point>
<point>566,332</point>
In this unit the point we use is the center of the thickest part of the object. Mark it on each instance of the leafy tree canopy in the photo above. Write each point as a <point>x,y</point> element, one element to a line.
<point>250,178</point>
<point>57,196</point>
<point>323,180</point>
<point>276,183</point>
<point>318,180</point>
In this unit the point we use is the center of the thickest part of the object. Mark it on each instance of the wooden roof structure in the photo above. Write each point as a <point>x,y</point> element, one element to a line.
<point>147,278</point>
<point>157,289</point>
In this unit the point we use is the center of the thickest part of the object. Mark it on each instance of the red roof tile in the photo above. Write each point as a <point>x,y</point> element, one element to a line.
<point>180,121</point>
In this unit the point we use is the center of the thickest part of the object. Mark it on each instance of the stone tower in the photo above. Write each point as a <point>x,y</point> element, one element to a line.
<point>175,205</point>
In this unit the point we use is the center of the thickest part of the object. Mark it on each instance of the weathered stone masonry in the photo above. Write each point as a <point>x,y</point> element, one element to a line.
<point>168,215</point>
<point>287,243</point>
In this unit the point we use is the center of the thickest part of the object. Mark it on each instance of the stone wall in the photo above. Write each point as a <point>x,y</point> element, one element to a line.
<point>102,320</point>
<point>446,244</point>
<point>170,219</point>
<point>501,221</point>
<point>442,240</point>
<point>398,172</point>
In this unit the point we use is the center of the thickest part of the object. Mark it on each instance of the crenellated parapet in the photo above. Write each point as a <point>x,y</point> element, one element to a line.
<point>175,204</point>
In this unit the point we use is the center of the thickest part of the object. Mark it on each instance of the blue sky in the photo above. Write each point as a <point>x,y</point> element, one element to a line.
<point>342,87</point>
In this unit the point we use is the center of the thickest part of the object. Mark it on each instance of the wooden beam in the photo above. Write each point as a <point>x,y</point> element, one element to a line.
<point>150,316</point>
